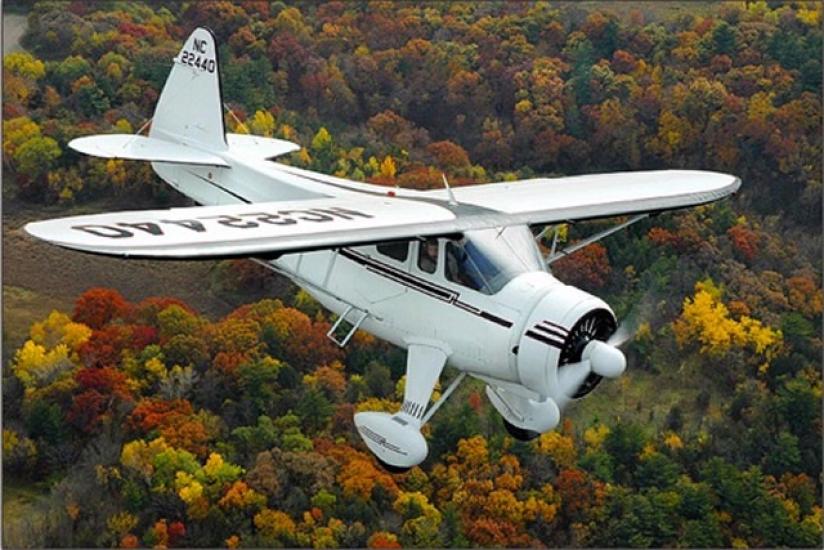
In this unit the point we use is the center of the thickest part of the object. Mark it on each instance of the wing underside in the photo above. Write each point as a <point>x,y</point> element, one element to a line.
<point>274,228</point>
<point>246,230</point>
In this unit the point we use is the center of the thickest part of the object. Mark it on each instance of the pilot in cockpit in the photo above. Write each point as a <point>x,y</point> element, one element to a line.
<point>428,256</point>
<point>483,261</point>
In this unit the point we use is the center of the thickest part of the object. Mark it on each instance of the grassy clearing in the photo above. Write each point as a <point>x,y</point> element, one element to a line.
<point>646,398</point>
<point>20,510</point>
<point>18,497</point>
<point>21,308</point>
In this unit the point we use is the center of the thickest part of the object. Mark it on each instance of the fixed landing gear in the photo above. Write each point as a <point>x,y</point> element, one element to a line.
<point>392,469</point>
<point>519,433</point>
<point>396,440</point>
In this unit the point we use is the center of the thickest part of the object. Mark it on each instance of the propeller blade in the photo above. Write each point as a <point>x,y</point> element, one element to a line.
<point>571,376</point>
<point>622,335</point>
<point>643,309</point>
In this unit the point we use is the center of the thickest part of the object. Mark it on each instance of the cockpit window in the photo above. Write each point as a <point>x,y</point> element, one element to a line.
<point>397,250</point>
<point>428,255</point>
<point>486,260</point>
<point>461,267</point>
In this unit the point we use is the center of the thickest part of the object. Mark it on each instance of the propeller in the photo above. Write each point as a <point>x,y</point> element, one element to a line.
<point>592,354</point>
<point>572,376</point>
<point>598,358</point>
<point>623,335</point>
<point>644,308</point>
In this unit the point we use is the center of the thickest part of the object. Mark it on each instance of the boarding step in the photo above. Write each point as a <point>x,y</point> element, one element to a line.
<point>350,321</point>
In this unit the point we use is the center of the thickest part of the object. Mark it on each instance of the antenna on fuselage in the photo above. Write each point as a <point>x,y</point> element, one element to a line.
<point>452,199</point>
<point>239,122</point>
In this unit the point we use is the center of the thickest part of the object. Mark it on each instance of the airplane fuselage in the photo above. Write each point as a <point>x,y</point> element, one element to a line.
<point>398,299</point>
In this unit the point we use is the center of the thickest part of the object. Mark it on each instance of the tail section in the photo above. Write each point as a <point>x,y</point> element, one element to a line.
<point>187,128</point>
<point>190,108</point>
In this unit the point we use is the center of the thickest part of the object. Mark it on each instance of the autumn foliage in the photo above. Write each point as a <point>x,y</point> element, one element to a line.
<point>153,424</point>
<point>588,268</point>
<point>97,306</point>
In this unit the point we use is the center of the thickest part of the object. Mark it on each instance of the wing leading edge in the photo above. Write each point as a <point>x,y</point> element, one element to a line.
<point>246,230</point>
<point>544,201</point>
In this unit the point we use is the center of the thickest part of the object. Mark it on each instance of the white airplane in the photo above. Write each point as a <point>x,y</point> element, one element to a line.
<point>452,276</point>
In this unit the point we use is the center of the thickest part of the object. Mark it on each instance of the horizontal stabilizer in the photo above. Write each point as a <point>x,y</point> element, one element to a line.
<point>135,147</point>
<point>259,147</point>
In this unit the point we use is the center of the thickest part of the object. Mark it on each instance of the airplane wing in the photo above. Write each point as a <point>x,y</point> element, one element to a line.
<point>274,228</point>
<point>248,229</point>
<point>552,200</point>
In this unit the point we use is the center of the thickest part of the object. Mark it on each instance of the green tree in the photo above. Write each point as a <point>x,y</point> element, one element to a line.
<point>624,443</point>
<point>378,379</point>
<point>314,410</point>
<point>258,381</point>
<point>37,156</point>
<point>70,70</point>
<point>723,39</point>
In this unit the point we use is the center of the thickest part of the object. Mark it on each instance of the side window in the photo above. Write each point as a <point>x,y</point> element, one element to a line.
<point>397,250</point>
<point>428,255</point>
<point>461,269</point>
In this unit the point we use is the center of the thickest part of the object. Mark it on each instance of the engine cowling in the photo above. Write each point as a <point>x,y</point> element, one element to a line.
<point>556,336</point>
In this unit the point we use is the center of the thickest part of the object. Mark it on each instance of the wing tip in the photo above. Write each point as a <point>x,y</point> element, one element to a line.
<point>31,229</point>
<point>736,185</point>
<point>44,230</point>
<point>721,182</point>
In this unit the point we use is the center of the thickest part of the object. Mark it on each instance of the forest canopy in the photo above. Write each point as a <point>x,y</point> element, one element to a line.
<point>148,423</point>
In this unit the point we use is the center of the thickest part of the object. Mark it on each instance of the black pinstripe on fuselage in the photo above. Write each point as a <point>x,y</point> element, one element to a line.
<point>421,285</point>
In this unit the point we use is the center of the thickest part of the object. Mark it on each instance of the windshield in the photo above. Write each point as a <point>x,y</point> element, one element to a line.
<point>486,260</point>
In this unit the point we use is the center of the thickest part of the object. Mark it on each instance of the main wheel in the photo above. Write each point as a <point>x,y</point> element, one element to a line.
<point>392,469</point>
<point>520,434</point>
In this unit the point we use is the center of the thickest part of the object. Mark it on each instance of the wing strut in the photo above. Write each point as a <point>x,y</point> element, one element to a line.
<point>553,257</point>
<point>452,199</point>
<point>444,396</point>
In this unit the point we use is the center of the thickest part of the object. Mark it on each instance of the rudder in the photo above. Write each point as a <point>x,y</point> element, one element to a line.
<point>190,108</point>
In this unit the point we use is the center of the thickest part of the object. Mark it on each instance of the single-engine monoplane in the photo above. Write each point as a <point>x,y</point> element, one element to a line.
<point>451,275</point>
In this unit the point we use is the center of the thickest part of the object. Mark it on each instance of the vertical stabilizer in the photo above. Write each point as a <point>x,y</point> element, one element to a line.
<point>190,108</point>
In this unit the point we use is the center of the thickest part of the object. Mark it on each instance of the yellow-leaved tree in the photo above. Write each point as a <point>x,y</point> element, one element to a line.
<point>706,320</point>
<point>263,123</point>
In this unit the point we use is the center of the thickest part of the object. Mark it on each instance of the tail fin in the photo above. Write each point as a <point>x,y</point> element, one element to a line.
<point>190,108</point>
